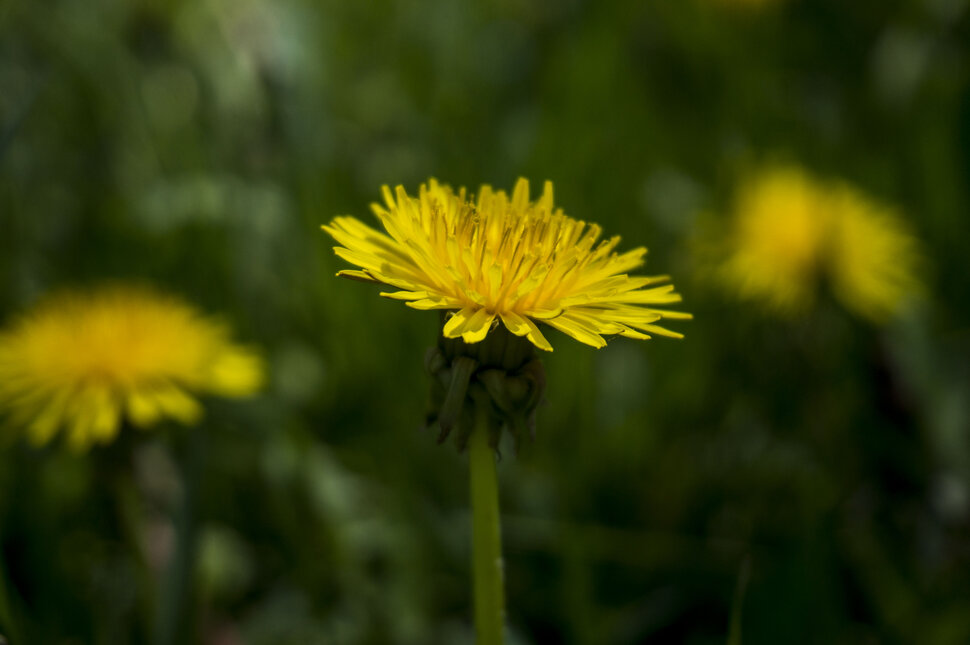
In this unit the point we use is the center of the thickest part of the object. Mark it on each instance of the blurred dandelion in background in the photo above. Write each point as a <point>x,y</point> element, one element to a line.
<point>85,360</point>
<point>789,233</point>
<point>505,258</point>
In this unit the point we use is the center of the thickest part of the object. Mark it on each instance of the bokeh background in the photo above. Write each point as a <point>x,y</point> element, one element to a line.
<point>768,480</point>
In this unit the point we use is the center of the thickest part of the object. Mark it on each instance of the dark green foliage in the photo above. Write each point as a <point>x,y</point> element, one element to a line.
<point>199,146</point>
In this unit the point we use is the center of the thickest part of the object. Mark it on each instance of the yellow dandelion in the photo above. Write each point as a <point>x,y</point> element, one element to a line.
<point>874,257</point>
<point>83,361</point>
<point>504,260</point>
<point>790,231</point>
<point>778,234</point>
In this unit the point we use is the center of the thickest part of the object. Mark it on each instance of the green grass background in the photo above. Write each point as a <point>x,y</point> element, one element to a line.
<point>820,464</point>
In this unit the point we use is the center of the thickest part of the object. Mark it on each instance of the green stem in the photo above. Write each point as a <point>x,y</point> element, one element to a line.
<point>128,510</point>
<point>486,540</point>
<point>172,613</point>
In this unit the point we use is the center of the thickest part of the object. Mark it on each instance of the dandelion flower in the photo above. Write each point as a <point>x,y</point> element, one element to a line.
<point>790,232</point>
<point>778,235</point>
<point>498,266</point>
<point>85,360</point>
<point>874,258</point>
<point>504,260</point>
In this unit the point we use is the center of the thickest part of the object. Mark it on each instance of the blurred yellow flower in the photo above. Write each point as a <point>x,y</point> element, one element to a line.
<point>790,230</point>
<point>874,257</point>
<point>508,259</point>
<point>85,360</point>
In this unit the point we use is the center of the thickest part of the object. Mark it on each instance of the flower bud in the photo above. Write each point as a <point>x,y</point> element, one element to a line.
<point>500,374</point>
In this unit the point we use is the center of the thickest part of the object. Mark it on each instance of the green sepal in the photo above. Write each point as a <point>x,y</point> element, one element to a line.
<point>462,369</point>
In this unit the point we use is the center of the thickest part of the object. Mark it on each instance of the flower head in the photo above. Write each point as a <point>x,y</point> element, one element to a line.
<point>790,230</point>
<point>501,259</point>
<point>85,360</point>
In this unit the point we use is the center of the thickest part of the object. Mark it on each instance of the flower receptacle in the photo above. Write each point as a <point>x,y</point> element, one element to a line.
<point>501,374</point>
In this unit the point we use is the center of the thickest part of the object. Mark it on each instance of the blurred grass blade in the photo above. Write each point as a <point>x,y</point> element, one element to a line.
<point>10,130</point>
<point>744,575</point>
<point>9,614</point>
<point>174,601</point>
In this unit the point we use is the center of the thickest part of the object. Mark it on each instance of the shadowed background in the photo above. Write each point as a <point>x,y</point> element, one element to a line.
<point>809,475</point>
